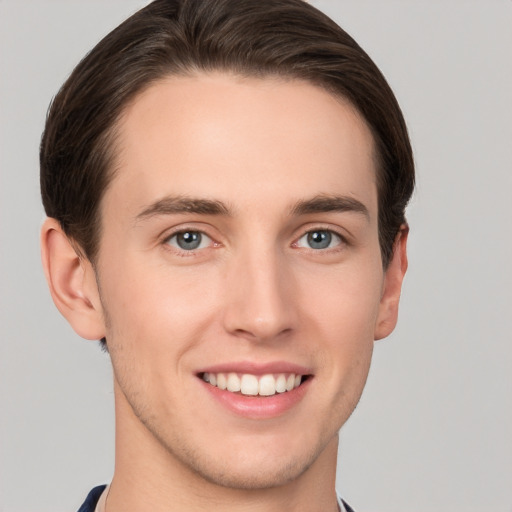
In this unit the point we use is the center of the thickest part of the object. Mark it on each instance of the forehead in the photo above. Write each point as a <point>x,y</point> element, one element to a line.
<point>241,140</point>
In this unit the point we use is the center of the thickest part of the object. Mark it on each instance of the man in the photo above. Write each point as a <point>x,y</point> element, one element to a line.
<point>225,184</point>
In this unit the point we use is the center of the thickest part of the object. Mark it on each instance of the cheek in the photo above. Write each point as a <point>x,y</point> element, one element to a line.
<point>342,314</point>
<point>155,322</point>
<point>344,300</point>
<point>152,311</point>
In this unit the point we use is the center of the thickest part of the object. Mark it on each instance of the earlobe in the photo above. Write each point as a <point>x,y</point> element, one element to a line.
<point>72,282</point>
<point>393,279</point>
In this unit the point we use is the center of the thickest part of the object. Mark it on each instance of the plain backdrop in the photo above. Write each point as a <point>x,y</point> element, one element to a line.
<point>433,431</point>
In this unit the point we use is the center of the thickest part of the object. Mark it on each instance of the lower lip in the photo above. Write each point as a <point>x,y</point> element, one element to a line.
<point>259,407</point>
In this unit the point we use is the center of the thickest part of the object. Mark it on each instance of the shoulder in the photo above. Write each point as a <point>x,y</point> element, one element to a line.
<point>92,499</point>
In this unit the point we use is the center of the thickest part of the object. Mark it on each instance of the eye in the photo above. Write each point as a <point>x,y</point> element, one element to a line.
<point>189,240</point>
<point>320,239</point>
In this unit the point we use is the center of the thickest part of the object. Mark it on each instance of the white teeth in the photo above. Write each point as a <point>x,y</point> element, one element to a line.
<point>267,385</point>
<point>233,383</point>
<point>222,383</point>
<point>281,384</point>
<point>249,385</point>
<point>252,385</point>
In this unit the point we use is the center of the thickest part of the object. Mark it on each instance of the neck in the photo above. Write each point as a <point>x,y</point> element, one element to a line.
<point>148,477</point>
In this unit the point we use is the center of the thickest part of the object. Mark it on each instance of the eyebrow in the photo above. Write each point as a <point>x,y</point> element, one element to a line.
<point>180,204</point>
<point>328,203</point>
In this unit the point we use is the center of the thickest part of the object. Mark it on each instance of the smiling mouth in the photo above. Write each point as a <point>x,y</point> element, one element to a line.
<point>254,385</point>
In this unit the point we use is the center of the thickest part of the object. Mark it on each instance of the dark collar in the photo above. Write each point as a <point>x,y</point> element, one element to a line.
<point>92,499</point>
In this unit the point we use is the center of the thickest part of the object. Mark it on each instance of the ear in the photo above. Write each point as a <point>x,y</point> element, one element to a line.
<point>72,282</point>
<point>393,278</point>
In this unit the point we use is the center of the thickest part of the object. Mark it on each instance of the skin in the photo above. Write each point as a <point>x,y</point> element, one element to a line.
<point>254,291</point>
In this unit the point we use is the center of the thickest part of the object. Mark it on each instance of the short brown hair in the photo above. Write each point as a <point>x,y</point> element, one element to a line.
<point>258,38</point>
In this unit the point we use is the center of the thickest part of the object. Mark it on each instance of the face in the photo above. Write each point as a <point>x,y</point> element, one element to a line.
<point>240,274</point>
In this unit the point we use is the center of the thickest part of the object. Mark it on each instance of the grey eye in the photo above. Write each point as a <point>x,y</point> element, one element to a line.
<point>319,239</point>
<point>189,240</point>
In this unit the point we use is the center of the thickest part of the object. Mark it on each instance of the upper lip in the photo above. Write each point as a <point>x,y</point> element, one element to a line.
<point>256,368</point>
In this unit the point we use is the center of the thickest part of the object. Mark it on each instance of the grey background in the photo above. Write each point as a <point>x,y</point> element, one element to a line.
<point>434,428</point>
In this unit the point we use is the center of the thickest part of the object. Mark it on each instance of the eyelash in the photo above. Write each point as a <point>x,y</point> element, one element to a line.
<point>193,252</point>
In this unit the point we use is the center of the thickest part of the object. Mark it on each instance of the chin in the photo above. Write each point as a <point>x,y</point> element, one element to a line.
<point>243,473</point>
<point>254,464</point>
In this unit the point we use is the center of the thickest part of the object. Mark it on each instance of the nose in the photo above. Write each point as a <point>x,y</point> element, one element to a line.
<point>259,302</point>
